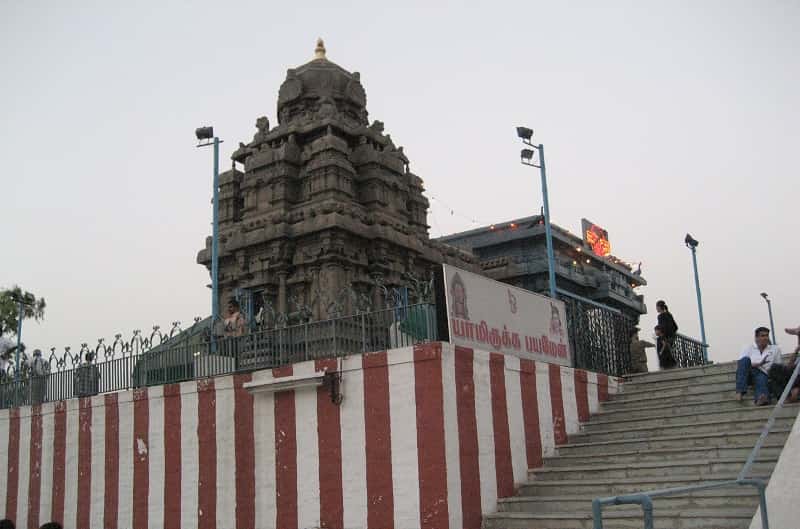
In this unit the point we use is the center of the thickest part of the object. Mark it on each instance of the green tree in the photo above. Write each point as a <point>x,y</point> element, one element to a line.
<point>33,307</point>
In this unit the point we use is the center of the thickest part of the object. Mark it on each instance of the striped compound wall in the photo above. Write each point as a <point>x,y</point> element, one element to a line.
<point>426,437</point>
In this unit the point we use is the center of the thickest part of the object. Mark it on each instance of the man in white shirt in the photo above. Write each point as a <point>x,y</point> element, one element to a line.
<point>795,332</point>
<point>753,367</point>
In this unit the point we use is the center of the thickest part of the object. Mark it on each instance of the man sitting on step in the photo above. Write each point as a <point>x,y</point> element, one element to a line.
<point>753,367</point>
<point>795,332</point>
<point>779,375</point>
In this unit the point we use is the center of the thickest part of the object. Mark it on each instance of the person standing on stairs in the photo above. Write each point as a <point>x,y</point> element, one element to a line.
<point>668,326</point>
<point>666,360</point>
<point>638,353</point>
<point>753,367</point>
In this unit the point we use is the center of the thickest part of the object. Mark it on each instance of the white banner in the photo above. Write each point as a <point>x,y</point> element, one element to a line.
<point>490,315</point>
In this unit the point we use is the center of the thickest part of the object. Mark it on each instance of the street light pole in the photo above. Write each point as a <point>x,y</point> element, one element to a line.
<point>215,240</point>
<point>526,157</point>
<point>691,243</point>
<point>771,321</point>
<point>207,133</point>
<point>19,338</point>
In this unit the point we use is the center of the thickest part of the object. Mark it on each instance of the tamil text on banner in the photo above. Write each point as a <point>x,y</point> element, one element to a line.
<point>484,313</point>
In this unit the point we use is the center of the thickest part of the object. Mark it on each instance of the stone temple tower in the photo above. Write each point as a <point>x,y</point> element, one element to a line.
<point>321,209</point>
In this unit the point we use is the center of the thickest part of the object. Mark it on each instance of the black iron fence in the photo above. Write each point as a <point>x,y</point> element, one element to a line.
<point>688,352</point>
<point>599,336</point>
<point>193,354</point>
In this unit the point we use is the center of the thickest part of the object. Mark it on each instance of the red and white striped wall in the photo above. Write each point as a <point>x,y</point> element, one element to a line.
<point>426,437</point>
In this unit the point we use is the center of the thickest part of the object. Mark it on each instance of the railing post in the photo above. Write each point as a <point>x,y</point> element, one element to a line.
<point>647,507</point>
<point>305,339</point>
<point>333,326</point>
<point>762,498</point>
<point>597,514</point>
<point>363,333</point>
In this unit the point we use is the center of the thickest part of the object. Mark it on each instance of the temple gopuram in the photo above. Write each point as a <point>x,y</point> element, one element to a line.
<point>320,214</point>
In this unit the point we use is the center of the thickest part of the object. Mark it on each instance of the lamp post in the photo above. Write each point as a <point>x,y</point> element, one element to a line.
<point>692,244</point>
<point>207,134</point>
<point>19,338</point>
<point>526,157</point>
<point>771,321</point>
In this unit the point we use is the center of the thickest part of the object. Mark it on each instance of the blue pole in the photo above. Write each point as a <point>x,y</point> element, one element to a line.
<point>215,242</point>
<point>551,270</point>
<point>19,340</point>
<point>699,305</point>
<point>771,322</point>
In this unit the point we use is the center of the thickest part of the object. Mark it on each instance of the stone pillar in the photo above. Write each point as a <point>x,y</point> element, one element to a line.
<point>377,298</point>
<point>312,289</point>
<point>282,298</point>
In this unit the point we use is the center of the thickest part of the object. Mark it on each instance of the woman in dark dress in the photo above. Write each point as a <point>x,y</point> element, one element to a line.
<point>668,330</point>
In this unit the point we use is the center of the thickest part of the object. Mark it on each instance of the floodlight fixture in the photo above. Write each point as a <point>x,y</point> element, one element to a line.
<point>764,295</point>
<point>525,133</point>
<point>690,241</point>
<point>526,155</point>
<point>204,133</point>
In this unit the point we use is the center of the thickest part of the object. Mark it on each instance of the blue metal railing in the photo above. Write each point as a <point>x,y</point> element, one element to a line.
<point>645,499</point>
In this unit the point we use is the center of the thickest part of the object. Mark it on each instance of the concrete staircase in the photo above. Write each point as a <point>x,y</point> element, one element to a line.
<point>666,429</point>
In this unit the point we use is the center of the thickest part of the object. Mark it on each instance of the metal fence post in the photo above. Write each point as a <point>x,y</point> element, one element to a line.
<point>333,327</point>
<point>305,339</point>
<point>597,513</point>
<point>762,498</point>
<point>363,334</point>
<point>647,507</point>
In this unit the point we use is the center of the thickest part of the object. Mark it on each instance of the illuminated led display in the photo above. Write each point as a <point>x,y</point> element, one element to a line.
<point>596,237</point>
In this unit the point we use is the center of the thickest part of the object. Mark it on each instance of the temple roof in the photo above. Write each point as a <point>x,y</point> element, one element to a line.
<point>321,79</point>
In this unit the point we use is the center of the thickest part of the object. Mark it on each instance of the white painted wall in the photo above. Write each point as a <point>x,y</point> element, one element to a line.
<point>783,506</point>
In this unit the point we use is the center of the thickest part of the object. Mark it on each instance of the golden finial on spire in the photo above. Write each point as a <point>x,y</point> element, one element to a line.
<point>319,52</point>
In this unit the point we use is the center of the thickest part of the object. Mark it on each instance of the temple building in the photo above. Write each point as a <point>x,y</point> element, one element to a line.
<point>319,214</point>
<point>515,252</point>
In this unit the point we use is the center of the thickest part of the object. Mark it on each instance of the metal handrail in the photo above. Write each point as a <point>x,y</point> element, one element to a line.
<point>645,498</point>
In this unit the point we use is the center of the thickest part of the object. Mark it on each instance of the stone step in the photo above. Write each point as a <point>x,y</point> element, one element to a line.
<point>746,411</point>
<point>655,410</point>
<point>686,372</point>
<point>678,429</point>
<point>677,390</point>
<point>657,399</point>
<point>698,380</point>
<point>604,487</point>
<point>770,451</point>
<point>650,469</point>
<point>709,518</point>
<point>742,438</point>
<point>717,498</point>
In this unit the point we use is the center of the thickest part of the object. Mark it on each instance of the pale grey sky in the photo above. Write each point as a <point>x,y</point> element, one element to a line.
<point>658,118</point>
